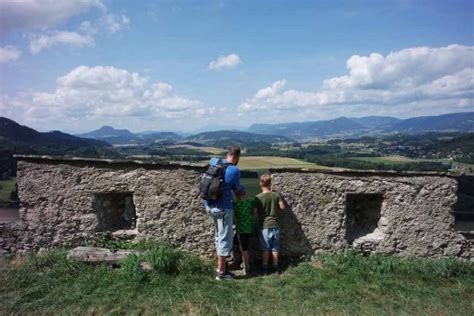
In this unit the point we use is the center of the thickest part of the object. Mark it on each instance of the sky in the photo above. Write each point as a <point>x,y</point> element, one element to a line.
<point>192,65</point>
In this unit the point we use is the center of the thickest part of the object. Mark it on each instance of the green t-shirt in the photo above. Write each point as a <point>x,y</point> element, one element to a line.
<point>243,213</point>
<point>268,207</point>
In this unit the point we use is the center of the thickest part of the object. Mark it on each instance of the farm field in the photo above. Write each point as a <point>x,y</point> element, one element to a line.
<point>264,162</point>
<point>211,150</point>
<point>395,159</point>
<point>6,187</point>
<point>261,164</point>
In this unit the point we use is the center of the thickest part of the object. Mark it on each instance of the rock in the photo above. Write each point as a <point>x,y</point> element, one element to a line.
<point>97,255</point>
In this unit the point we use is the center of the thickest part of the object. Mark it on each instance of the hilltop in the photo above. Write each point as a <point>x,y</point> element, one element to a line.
<point>245,139</point>
<point>19,139</point>
<point>124,136</point>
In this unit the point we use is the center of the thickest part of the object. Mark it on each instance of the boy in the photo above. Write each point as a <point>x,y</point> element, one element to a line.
<point>269,205</point>
<point>244,223</point>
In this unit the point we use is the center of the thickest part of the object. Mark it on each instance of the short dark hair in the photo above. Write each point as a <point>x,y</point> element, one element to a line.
<point>234,151</point>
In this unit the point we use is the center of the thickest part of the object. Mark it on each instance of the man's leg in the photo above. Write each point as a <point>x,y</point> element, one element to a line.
<point>221,264</point>
<point>224,241</point>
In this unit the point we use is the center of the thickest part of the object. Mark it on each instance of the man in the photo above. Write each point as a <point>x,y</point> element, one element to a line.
<point>222,212</point>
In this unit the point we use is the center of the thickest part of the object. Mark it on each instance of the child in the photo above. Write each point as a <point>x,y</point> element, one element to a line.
<point>244,223</point>
<point>269,205</point>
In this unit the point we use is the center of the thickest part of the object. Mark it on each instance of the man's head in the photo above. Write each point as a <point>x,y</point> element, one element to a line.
<point>233,154</point>
<point>266,181</point>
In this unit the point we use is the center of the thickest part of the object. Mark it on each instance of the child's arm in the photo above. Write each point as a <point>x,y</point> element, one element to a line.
<point>281,203</point>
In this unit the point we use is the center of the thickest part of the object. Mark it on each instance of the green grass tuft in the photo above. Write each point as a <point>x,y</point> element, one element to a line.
<point>132,270</point>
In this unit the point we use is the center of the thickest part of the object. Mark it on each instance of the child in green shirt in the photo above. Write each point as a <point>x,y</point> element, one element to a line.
<point>244,224</point>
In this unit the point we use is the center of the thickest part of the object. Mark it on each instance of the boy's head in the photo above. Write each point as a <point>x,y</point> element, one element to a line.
<point>240,193</point>
<point>266,181</point>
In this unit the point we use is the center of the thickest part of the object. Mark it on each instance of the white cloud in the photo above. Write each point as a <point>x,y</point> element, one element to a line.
<point>19,14</point>
<point>230,61</point>
<point>88,27</point>
<point>65,38</point>
<point>419,76</point>
<point>9,53</point>
<point>104,92</point>
<point>114,23</point>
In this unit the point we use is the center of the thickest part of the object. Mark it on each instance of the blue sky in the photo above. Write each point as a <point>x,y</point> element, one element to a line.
<point>154,65</point>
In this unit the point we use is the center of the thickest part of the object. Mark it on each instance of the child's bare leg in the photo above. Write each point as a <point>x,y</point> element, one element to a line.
<point>245,257</point>
<point>265,256</point>
<point>275,258</point>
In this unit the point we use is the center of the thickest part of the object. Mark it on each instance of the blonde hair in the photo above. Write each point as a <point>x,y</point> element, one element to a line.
<point>266,180</point>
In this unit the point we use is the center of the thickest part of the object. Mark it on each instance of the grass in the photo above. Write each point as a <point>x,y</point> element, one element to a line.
<point>6,187</point>
<point>251,186</point>
<point>262,162</point>
<point>208,149</point>
<point>180,283</point>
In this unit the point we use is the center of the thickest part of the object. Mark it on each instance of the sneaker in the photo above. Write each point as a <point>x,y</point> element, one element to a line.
<point>227,271</point>
<point>247,271</point>
<point>264,270</point>
<point>223,276</point>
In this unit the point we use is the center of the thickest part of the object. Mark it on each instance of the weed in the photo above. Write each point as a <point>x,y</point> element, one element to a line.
<point>132,270</point>
<point>164,259</point>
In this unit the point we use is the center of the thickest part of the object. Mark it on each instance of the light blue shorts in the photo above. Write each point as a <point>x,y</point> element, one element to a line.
<point>270,239</point>
<point>224,235</point>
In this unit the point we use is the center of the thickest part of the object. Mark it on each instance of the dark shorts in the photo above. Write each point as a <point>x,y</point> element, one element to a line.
<point>244,240</point>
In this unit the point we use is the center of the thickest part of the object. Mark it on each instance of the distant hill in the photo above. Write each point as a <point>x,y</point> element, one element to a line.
<point>106,132</point>
<point>19,139</point>
<point>124,136</point>
<point>455,122</point>
<point>354,127</point>
<point>20,135</point>
<point>376,121</point>
<point>341,125</point>
<point>227,138</point>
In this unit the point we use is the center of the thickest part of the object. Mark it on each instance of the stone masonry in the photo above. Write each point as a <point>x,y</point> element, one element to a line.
<point>59,197</point>
<point>69,201</point>
<point>414,213</point>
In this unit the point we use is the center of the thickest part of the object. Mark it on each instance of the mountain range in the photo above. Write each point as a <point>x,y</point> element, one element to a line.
<point>14,134</point>
<point>22,136</point>
<point>124,136</point>
<point>343,126</point>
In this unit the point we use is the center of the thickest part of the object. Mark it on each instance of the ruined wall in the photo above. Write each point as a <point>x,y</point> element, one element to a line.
<point>59,203</point>
<point>64,202</point>
<point>415,213</point>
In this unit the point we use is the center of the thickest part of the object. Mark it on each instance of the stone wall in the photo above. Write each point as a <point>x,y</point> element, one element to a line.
<point>405,214</point>
<point>415,213</point>
<point>58,202</point>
